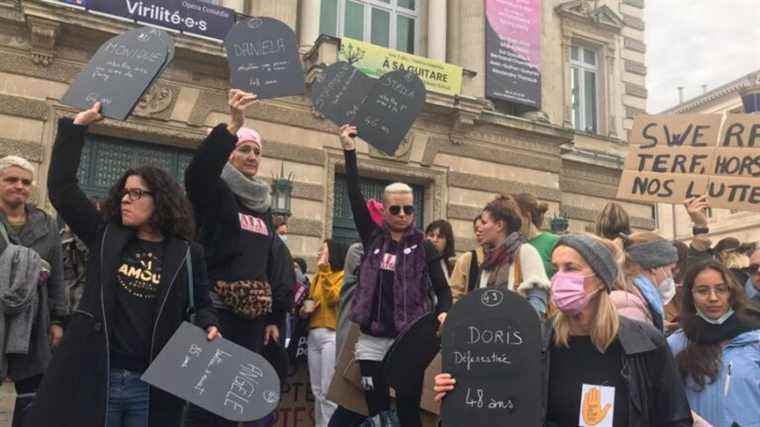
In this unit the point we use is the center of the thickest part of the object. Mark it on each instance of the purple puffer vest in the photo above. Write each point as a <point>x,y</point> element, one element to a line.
<point>410,293</point>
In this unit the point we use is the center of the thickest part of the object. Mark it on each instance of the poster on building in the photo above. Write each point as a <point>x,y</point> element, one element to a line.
<point>676,157</point>
<point>513,51</point>
<point>189,16</point>
<point>375,61</point>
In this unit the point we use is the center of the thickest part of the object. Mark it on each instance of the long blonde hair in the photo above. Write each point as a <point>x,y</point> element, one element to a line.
<point>606,323</point>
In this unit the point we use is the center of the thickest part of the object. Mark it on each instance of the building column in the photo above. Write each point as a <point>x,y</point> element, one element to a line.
<point>437,16</point>
<point>238,5</point>
<point>309,22</point>
<point>470,44</point>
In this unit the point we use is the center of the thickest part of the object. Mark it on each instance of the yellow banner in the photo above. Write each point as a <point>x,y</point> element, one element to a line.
<point>375,61</point>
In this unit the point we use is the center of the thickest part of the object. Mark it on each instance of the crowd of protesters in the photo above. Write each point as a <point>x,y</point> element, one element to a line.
<point>673,327</point>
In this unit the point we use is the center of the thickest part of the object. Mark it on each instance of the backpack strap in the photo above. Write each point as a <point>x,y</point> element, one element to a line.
<point>190,286</point>
<point>4,233</point>
<point>473,277</point>
<point>518,271</point>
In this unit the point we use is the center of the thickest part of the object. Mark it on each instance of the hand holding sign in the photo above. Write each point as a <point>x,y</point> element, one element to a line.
<point>347,134</point>
<point>262,54</point>
<point>87,117</point>
<point>218,376</point>
<point>491,345</point>
<point>239,101</point>
<point>697,208</point>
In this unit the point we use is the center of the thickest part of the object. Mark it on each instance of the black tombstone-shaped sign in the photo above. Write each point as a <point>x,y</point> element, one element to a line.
<point>120,72</point>
<point>411,353</point>
<point>219,376</point>
<point>262,54</point>
<point>339,91</point>
<point>390,109</point>
<point>492,347</point>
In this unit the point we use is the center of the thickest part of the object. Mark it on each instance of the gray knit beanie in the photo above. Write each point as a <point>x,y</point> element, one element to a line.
<point>657,253</point>
<point>597,256</point>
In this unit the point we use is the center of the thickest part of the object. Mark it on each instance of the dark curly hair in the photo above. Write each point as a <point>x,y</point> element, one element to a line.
<point>173,215</point>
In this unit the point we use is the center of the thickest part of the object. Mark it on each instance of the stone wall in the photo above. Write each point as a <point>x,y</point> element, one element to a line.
<point>460,150</point>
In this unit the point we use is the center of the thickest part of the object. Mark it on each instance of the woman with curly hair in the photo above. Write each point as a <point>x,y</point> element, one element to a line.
<point>140,278</point>
<point>718,348</point>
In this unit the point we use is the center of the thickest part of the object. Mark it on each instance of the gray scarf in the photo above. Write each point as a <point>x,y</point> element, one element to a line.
<point>253,192</point>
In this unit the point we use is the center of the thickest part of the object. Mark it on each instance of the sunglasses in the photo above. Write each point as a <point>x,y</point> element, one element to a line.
<point>753,268</point>
<point>396,209</point>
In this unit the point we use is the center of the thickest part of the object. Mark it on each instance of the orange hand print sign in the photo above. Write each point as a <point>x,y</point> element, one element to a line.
<point>597,406</point>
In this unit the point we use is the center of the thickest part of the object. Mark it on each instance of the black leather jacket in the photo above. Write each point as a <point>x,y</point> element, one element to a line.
<point>656,394</point>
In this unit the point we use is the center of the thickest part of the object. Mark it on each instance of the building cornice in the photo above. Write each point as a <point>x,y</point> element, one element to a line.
<point>718,94</point>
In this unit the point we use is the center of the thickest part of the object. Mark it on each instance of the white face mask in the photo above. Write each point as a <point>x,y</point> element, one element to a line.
<point>284,237</point>
<point>718,321</point>
<point>667,290</point>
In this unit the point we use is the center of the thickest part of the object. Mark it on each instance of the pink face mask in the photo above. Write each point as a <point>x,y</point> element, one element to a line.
<point>568,294</point>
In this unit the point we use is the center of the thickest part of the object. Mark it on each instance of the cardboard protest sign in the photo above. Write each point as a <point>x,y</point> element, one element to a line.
<point>262,54</point>
<point>296,408</point>
<point>674,158</point>
<point>492,348</point>
<point>218,376</point>
<point>390,110</point>
<point>339,91</point>
<point>692,130</point>
<point>120,72</point>
<point>404,365</point>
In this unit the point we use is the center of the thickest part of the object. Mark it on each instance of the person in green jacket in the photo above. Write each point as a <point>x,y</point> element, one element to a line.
<point>533,214</point>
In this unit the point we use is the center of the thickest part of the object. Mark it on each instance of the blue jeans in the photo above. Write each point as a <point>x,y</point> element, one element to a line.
<point>129,399</point>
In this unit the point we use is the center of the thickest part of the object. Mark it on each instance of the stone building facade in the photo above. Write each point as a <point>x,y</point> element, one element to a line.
<point>745,226</point>
<point>461,151</point>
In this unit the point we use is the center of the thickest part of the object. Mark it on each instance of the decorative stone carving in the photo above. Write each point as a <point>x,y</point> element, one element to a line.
<point>402,153</point>
<point>585,11</point>
<point>156,100</point>
<point>42,36</point>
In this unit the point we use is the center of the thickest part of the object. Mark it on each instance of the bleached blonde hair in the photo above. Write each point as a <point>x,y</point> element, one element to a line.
<point>397,188</point>
<point>19,162</point>
<point>606,324</point>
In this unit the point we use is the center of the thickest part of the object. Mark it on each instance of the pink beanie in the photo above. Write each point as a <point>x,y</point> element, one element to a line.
<point>375,211</point>
<point>248,135</point>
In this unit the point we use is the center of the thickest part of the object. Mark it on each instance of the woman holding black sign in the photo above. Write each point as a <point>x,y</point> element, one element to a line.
<point>599,365</point>
<point>250,268</point>
<point>141,273</point>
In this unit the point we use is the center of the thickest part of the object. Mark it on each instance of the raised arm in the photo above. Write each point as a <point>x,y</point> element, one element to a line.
<point>63,186</point>
<point>364,224</point>
<point>202,177</point>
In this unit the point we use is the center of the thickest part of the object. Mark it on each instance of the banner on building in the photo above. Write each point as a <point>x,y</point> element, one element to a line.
<point>513,51</point>
<point>676,157</point>
<point>375,61</point>
<point>188,16</point>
